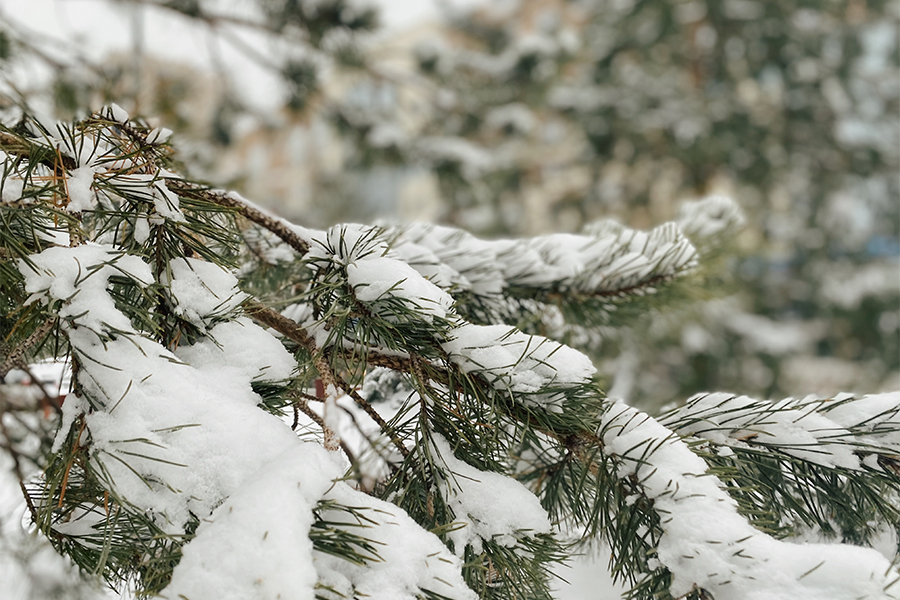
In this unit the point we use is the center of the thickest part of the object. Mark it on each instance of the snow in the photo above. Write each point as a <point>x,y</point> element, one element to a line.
<point>78,184</point>
<point>11,189</point>
<point>419,264</point>
<point>151,188</point>
<point>203,290</point>
<point>141,230</point>
<point>159,419</point>
<point>343,244</point>
<point>522,364</point>
<point>410,557</point>
<point>710,216</point>
<point>169,422</point>
<point>180,435</point>
<point>492,507</point>
<point>242,348</point>
<point>159,135</point>
<point>166,203</point>
<point>373,279</point>
<point>427,264</point>
<point>79,276</point>
<point>272,515</point>
<point>706,542</point>
<point>473,259</point>
<point>791,426</point>
<point>117,113</point>
<point>605,259</point>
<point>373,275</point>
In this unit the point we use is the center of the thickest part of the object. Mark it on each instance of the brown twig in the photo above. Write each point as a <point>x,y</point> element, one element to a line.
<point>294,331</point>
<point>243,208</point>
<point>301,406</point>
<point>16,357</point>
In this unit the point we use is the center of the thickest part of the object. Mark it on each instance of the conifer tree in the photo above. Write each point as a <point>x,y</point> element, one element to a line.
<point>262,410</point>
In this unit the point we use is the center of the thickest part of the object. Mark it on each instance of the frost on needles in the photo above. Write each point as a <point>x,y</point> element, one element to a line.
<point>262,410</point>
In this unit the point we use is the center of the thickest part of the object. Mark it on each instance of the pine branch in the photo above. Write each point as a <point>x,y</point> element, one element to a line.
<point>244,208</point>
<point>34,151</point>
<point>293,331</point>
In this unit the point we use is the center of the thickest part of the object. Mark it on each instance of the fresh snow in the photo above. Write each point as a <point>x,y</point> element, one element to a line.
<point>522,364</point>
<point>378,278</point>
<point>78,184</point>
<point>710,216</point>
<point>492,507</point>
<point>831,433</point>
<point>11,189</point>
<point>202,290</point>
<point>706,542</point>
<point>411,558</point>
<point>256,545</point>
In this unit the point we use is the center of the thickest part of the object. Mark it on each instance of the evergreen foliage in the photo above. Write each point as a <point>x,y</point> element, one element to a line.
<point>264,410</point>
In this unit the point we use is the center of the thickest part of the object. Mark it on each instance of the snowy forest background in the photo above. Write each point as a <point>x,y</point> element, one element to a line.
<point>536,116</point>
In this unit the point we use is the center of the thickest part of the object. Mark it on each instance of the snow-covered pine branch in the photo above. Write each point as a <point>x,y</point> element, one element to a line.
<point>704,542</point>
<point>547,280</point>
<point>175,467</point>
<point>855,438</point>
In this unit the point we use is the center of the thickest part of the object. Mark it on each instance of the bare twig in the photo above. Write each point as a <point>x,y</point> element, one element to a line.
<point>243,208</point>
<point>16,357</point>
<point>301,406</point>
<point>294,331</point>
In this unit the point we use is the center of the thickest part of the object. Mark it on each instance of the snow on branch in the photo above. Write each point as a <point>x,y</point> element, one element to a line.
<point>705,542</point>
<point>179,434</point>
<point>710,217</point>
<point>606,261</point>
<point>531,369</point>
<point>792,443</point>
<point>490,506</point>
<point>845,432</point>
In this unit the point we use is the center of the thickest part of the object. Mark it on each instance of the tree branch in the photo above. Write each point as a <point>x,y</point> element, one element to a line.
<point>15,357</point>
<point>294,331</point>
<point>578,443</point>
<point>243,208</point>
